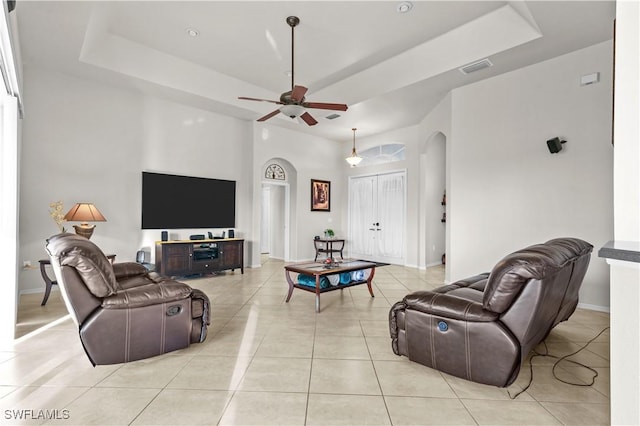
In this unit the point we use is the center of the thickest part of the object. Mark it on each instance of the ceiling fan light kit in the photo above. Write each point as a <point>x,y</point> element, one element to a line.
<point>292,110</point>
<point>293,102</point>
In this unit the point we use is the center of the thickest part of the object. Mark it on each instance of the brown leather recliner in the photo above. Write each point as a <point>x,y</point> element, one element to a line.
<point>483,328</point>
<point>124,312</point>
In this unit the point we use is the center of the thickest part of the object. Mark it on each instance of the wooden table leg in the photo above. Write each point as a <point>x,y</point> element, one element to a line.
<point>288,277</point>
<point>317,294</point>
<point>370,279</point>
<point>48,282</point>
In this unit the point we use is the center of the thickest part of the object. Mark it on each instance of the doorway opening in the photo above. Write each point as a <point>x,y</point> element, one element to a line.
<point>277,210</point>
<point>274,230</point>
<point>433,206</point>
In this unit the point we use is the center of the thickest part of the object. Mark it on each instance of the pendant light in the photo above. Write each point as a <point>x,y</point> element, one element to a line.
<point>354,159</point>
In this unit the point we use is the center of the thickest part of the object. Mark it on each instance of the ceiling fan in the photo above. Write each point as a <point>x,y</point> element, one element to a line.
<point>293,102</point>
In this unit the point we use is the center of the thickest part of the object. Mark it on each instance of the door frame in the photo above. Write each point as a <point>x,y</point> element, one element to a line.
<point>403,258</point>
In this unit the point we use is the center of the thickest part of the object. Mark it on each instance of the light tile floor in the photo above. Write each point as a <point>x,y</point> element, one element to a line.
<point>270,362</point>
<point>31,315</point>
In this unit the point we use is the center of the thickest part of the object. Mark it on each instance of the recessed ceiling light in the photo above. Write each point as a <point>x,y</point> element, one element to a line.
<point>193,32</point>
<point>404,7</point>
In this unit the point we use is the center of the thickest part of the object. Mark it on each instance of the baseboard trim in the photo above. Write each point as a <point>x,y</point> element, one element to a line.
<point>35,290</point>
<point>598,308</point>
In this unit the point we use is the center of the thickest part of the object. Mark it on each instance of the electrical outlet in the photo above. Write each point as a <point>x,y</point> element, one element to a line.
<point>26,264</point>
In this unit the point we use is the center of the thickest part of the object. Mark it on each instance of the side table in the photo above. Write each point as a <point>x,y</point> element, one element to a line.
<point>48,282</point>
<point>325,245</point>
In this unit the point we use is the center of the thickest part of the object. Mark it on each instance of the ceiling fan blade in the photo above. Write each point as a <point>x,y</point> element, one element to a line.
<point>309,119</point>
<point>244,98</point>
<point>268,116</point>
<point>324,105</point>
<point>297,94</point>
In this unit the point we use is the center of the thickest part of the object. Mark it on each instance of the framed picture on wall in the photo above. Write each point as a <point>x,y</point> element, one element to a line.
<point>320,195</point>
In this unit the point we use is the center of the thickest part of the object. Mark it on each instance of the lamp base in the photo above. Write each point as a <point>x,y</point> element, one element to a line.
<point>84,230</point>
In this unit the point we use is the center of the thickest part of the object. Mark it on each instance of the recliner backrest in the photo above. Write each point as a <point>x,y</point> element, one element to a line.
<point>538,261</point>
<point>87,259</point>
<point>537,287</point>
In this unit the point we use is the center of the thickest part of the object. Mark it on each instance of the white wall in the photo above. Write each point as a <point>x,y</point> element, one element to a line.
<point>506,190</point>
<point>625,276</point>
<point>312,158</point>
<point>86,141</point>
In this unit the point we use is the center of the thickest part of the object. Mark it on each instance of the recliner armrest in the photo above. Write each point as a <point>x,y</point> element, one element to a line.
<point>128,269</point>
<point>149,294</point>
<point>444,305</point>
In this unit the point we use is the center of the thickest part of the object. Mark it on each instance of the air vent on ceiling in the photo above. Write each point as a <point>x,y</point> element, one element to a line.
<point>332,116</point>
<point>476,66</point>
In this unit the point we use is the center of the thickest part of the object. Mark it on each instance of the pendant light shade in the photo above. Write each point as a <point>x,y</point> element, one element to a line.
<point>354,159</point>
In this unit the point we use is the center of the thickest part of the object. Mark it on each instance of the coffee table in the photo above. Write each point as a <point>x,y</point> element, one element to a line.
<point>320,270</point>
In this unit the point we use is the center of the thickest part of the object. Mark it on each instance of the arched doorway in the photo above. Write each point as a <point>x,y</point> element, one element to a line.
<point>433,215</point>
<point>278,177</point>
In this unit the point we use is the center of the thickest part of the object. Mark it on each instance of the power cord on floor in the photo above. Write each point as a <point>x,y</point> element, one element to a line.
<point>555,365</point>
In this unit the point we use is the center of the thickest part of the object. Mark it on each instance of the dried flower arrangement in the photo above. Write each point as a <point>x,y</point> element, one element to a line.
<point>56,213</point>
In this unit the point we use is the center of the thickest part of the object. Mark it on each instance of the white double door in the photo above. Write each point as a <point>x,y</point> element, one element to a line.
<point>377,217</point>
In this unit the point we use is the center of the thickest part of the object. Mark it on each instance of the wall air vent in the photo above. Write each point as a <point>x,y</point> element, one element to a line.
<point>332,116</point>
<point>476,66</point>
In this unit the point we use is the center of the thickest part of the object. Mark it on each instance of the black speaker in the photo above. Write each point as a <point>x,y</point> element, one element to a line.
<point>555,145</point>
<point>164,236</point>
<point>232,233</point>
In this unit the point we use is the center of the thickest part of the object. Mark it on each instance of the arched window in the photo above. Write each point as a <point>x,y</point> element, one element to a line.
<point>381,154</point>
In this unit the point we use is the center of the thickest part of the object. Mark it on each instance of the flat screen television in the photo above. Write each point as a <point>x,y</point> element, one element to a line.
<point>182,202</point>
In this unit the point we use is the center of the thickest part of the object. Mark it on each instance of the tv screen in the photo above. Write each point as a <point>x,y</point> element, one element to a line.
<point>179,202</point>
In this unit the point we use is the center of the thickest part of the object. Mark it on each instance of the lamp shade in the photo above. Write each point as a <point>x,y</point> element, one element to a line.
<point>84,212</point>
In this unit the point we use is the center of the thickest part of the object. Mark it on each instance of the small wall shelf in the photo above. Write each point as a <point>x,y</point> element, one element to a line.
<point>444,220</point>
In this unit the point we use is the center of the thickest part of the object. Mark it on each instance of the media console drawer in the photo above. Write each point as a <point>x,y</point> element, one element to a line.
<point>179,258</point>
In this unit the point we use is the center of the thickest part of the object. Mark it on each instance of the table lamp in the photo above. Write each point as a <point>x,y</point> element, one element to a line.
<point>84,212</point>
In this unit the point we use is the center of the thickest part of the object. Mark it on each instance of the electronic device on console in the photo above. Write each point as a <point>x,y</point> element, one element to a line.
<point>206,252</point>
